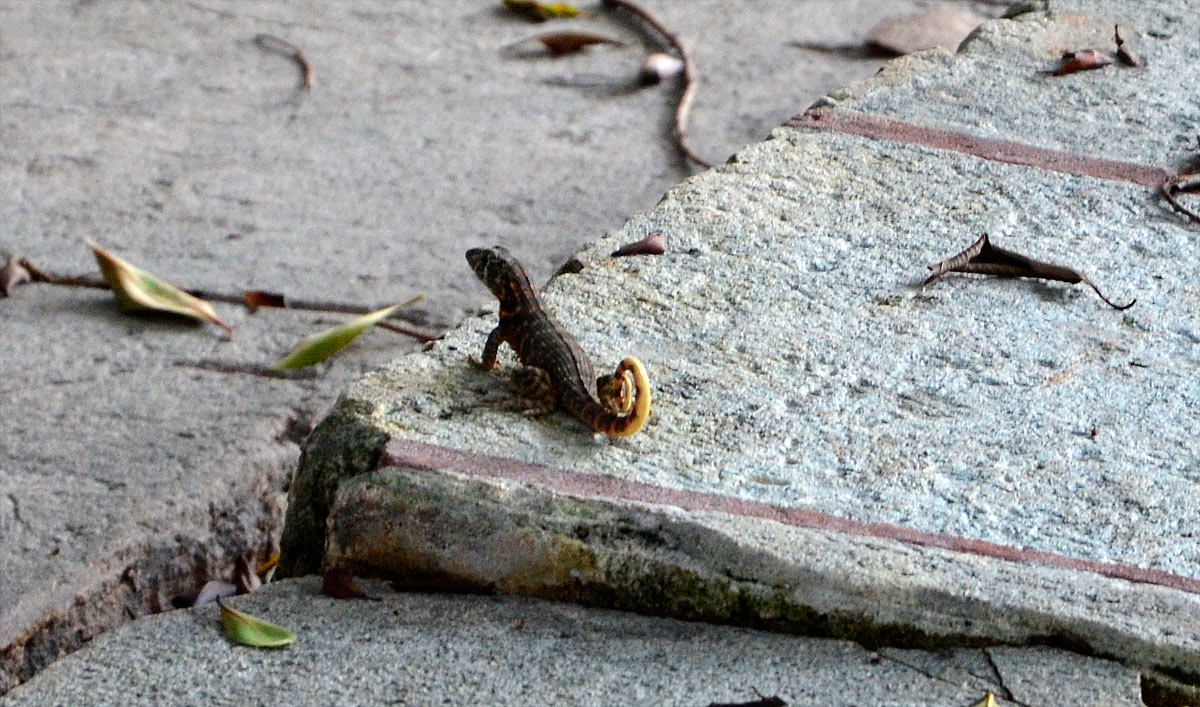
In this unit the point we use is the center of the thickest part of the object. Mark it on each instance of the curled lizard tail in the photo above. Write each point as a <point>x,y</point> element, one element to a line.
<point>635,412</point>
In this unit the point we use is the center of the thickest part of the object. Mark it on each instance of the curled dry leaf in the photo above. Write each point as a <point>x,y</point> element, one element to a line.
<point>542,11</point>
<point>267,568</point>
<point>563,43</point>
<point>653,244</point>
<point>339,584</point>
<point>985,259</point>
<point>137,289</point>
<point>1123,54</point>
<point>1082,60</point>
<point>258,298</point>
<point>658,32</point>
<point>246,579</point>
<point>271,43</point>
<point>944,27</point>
<point>12,274</point>
<point>762,701</point>
<point>659,67</point>
<point>322,345</point>
<point>215,590</point>
<point>247,630</point>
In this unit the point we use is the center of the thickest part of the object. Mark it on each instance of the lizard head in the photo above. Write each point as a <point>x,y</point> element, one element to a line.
<point>503,274</point>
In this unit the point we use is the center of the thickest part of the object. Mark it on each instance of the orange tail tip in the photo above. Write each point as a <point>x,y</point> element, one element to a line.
<point>630,424</point>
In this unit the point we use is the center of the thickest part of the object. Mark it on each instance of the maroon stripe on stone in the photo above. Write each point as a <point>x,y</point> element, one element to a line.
<point>418,455</point>
<point>878,128</point>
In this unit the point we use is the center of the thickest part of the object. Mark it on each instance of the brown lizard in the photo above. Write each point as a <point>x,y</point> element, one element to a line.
<point>541,342</point>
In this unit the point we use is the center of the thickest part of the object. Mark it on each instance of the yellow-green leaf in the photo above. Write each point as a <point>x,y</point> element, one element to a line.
<point>322,345</point>
<point>542,11</point>
<point>243,628</point>
<point>137,289</point>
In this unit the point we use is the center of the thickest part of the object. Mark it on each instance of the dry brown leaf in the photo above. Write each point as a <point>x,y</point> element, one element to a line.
<point>983,258</point>
<point>13,274</point>
<point>659,67</point>
<point>1123,53</point>
<point>1082,60</point>
<point>653,244</point>
<point>258,298</point>
<point>339,584</point>
<point>214,590</point>
<point>946,27</point>
<point>244,576</point>
<point>563,43</point>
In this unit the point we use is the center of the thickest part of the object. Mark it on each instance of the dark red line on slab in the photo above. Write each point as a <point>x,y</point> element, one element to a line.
<point>421,456</point>
<point>876,127</point>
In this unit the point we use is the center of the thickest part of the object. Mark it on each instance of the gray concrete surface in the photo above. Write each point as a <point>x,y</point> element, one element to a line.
<point>127,479</point>
<point>144,458</point>
<point>421,649</point>
<point>835,449</point>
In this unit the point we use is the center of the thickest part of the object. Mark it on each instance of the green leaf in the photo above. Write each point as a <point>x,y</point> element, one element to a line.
<point>243,628</point>
<point>542,11</point>
<point>322,345</point>
<point>137,289</point>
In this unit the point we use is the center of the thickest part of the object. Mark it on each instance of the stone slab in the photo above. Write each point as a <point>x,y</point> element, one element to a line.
<point>173,139</point>
<point>798,365</point>
<point>992,85</point>
<point>139,459</point>
<point>446,649</point>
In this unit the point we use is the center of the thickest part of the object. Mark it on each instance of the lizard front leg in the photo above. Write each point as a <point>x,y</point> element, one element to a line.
<point>491,350</point>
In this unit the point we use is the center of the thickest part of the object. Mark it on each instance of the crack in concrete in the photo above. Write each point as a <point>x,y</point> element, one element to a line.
<point>999,679</point>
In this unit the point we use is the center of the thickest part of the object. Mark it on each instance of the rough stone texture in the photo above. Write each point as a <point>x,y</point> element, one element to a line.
<point>433,529</point>
<point>996,85</point>
<point>797,363</point>
<point>431,649</point>
<point>170,137</point>
<point>133,469</point>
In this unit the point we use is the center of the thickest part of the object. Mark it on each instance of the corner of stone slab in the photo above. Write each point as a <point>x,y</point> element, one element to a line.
<point>1159,690</point>
<point>343,445</point>
<point>897,72</point>
<point>438,530</point>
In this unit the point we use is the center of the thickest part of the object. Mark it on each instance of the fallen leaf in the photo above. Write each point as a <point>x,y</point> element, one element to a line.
<point>258,298</point>
<point>339,584</point>
<point>244,577</point>
<point>946,27</point>
<point>268,566</point>
<point>322,345</point>
<point>542,11</point>
<point>247,630</point>
<point>653,244</point>
<point>563,43</point>
<point>985,259</point>
<point>762,701</point>
<point>659,67</point>
<point>137,289</point>
<point>13,274</point>
<point>215,590</point>
<point>989,700</point>
<point>1123,54</point>
<point>1082,60</point>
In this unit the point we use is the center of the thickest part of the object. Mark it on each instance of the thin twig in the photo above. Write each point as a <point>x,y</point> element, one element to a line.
<point>690,82</point>
<point>271,43</point>
<point>95,282</point>
<point>251,369</point>
<point>1168,189</point>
